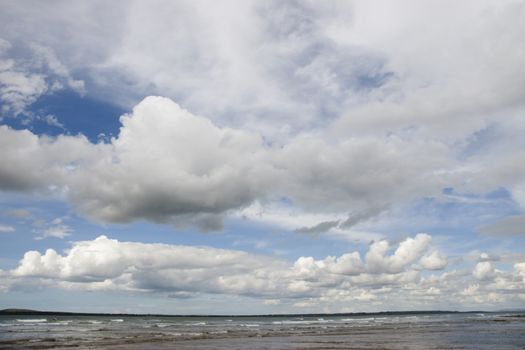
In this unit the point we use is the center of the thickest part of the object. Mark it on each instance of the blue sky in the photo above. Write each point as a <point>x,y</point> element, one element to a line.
<point>262,157</point>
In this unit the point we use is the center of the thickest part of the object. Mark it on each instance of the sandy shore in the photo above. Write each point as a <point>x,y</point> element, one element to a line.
<point>267,343</point>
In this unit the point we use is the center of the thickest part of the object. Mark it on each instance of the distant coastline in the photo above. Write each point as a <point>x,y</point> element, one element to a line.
<point>21,312</point>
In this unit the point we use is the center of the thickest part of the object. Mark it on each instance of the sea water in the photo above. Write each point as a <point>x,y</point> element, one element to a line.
<point>421,331</point>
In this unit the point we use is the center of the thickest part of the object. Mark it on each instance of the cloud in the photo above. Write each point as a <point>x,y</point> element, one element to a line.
<point>407,252</point>
<point>24,80</point>
<point>315,117</point>
<point>140,266</point>
<point>56,229</point>
<point>434,261</point>
<point>487,257</point>
<point>484,270</point>
<point>6,229</point>
<point>520,268</point>
<point>280,67</point>
<point>183,271</point>
<point>19,213</point>
<point>48,61</point>
<point>162,267</point>
<point>168,165</point>
<point>357,217</point>
<point>33,163</point>
<point>319,228</point>
<point>18,89</point>
<point>271,302</point>
<point>352,119</point>
<point>509,226</point>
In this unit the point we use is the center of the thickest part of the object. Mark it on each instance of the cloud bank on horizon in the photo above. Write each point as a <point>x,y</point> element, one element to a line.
<point>339,121</point>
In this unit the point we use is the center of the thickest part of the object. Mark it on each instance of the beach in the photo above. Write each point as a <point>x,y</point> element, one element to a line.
<point>423,331</point>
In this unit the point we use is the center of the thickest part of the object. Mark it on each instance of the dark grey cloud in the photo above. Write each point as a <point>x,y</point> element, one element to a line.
<point>319,228</point>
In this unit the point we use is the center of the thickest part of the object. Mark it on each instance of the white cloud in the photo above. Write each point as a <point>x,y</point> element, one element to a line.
<point>108,264</point>
<point>32,163</point>
<point>19,89</point>
<point>434,261</point>
<point>24,80</point>
<point>483,270</point>
<point>351,117</point>
<point>408,251</point>
<point>168,165</point>
<point>192,172</point>
<point>520,268</point>
<point>280,66</point>
<point>160,266</point>
<point>143,266</point>
<point>48,61</point>
<point>6,228</point>
<point>271,302</point>
<point>315,117</point>
<point>55,228</point>
<point>471,290</point>
<point>56,231</point>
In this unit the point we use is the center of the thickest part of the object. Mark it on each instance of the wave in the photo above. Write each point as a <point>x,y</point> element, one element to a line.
<point>163,325</point>
<point>297,322</point>
<point>58,323</point>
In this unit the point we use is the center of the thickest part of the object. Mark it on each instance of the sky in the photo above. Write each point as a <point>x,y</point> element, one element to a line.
<point>250,157</point>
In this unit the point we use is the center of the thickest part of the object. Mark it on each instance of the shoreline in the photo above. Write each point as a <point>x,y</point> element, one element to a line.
<point>483,331</point>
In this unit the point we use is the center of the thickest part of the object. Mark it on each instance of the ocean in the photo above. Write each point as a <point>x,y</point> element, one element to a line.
<point>421,331</point>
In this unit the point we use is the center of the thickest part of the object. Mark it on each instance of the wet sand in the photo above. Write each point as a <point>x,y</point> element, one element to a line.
<point>393,339</point>
<point>269,343</point>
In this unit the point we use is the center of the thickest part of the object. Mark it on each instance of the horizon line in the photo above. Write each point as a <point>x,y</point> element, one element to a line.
<point>15,311</point>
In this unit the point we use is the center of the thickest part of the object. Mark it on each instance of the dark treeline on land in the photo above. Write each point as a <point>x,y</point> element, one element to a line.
<point>22,312</point>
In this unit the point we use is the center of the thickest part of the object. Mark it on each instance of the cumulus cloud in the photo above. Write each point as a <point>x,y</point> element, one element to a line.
<point>407,252</point>
<point>182,271</point>
<point>317,117</point>
<point>168,165</point>
<point>520,268</point>
<point>162,267</point>
<point>434,261</point>
<point>33,163</point>
<point>483,270</point>
<point>351,118</point>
